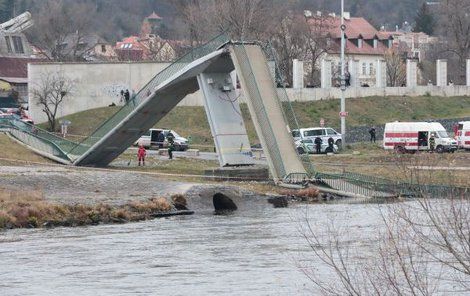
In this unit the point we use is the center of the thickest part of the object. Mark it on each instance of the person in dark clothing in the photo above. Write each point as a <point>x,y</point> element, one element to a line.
<point>318,141</point>
<point>171,144</point>
<point>372,134</point>
<point>432,142</point>
<point>347,78</point>
<point>160,139</point>
<point>331,142</point>
<point>127,95</point>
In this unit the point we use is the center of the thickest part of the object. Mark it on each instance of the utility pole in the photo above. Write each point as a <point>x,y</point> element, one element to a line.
<point>343,81</point>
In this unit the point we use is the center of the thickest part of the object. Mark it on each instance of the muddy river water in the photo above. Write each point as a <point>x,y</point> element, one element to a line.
<point>254,251</point>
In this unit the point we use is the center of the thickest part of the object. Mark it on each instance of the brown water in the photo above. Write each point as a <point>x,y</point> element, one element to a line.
<point>251,252</point>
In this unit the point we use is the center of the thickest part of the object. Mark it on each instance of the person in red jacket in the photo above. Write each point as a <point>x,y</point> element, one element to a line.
<point>141,154</point>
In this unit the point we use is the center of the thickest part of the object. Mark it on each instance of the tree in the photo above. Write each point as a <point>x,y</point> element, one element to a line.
<point>60,29</point>
<point>50,92</point>
<point>424,20</point>
<point>396,68</point>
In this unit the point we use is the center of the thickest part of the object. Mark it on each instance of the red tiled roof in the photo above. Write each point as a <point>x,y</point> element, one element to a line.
<point>355,27</point>
<point>351,48</point>
<point>15,67</point>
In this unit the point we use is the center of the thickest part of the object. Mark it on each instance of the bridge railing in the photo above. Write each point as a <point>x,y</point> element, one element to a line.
<point>144,93</point>
<point>37,138</point>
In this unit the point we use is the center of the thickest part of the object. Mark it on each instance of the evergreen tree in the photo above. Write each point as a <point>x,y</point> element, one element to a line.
<point>424,20</point>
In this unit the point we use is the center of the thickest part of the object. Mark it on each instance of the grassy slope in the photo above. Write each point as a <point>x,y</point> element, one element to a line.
<point>12,150</point>
<point>192,121</point>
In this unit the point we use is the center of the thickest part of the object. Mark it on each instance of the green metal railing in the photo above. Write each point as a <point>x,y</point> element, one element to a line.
<point>37,138</point>
<point>259,109</point>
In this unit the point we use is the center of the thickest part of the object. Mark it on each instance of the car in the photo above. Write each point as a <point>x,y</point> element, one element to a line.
<point>308,146</point>
<point>324,133</point>
<point>16,113</point>
<point>153,139</point>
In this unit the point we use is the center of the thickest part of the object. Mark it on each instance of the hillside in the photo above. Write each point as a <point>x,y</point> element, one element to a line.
<point>192,121</point>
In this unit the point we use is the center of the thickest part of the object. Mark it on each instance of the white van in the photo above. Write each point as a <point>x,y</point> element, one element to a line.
<point>463,135</point>
<point>313,132</point>
<point>413,136</point>
<point>158,138</point>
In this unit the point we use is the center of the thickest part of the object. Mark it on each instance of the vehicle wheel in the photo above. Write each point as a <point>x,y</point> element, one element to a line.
<point>439,149</point>
<point>329,150</point>
<point>339,143</point>
<point>300,150</point>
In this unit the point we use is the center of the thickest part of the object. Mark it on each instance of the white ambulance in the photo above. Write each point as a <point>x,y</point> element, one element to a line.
<point>463,134</point>
<point>413,136</point>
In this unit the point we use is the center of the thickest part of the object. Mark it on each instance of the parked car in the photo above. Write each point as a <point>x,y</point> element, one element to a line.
<point>153,139</point>
<point>313,132</point>
<point>17,113</point>
<point>414,136</point>
<point>308,146</point>
<point>463,135</point>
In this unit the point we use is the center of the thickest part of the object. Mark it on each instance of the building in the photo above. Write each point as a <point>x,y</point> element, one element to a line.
<point>149,46</point>
<point>15,53</point>
<point>413,44</point>
<point>364,51</point>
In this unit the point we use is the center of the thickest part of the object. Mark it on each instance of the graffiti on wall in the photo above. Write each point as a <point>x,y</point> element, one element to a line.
<point>114,91</point>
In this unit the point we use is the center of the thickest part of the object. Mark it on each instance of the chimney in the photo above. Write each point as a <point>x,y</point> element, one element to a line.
<point>307,13</point>
<point>347,15</point>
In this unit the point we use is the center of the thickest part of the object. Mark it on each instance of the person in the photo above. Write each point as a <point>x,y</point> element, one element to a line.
<point>126,95</point>
<point>430,83</point>
<point>121,100</point>
<point>432,142</point>
<point>160,139</point>
<point>372,134</point>
<point>141,154</point>
<point>331,142</point>
<point>451,83</point>
<point>318,141</point>
<point>347,77</point>
<point>171,144</point>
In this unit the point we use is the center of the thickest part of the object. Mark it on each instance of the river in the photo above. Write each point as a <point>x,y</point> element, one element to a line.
<point>254,251</point>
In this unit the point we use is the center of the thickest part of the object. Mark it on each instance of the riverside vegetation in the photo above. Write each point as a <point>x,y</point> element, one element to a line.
<point>29,209</point>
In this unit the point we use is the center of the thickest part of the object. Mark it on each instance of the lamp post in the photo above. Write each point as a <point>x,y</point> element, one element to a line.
<point>343,80</point>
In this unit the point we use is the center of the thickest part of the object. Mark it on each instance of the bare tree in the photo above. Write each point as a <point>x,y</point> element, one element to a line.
<point>50,92</point>
<point>61,27</point>
<point>422,247</point>
<point>396,68</point>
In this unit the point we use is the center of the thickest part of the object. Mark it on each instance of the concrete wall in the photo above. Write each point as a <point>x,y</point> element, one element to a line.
<point>99,85</point>
<point>95,84</point>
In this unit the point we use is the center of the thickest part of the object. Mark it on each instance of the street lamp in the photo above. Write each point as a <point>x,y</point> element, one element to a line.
<point>343,80</point>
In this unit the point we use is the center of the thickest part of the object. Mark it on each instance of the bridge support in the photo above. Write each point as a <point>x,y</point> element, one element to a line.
<point>441,72</point>
<point>225,119</point>
<point>411,73</point>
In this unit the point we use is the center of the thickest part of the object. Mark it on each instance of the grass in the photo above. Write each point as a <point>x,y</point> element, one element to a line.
<point>12,150</point>
<point>29,209</point>
<point>192,121</point>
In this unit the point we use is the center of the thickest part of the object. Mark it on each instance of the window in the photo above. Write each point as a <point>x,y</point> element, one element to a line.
<point>7,40</point>
<point>18,44</point>
<point>295,134</point>
<point>330,131</point>
<point>359,42</point>
<point>364,69</point>
<point>313,133</point>
<point>103,48</point>
<point>442,134</point>
<point>371,69</point>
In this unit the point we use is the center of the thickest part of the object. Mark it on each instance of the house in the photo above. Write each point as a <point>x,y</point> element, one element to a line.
<point>412,44</point>
<point>15,54</point>
<point>365,47</point>
<point>87,47</point>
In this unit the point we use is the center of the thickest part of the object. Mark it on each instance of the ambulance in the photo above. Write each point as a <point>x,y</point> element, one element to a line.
<point>415,136</point>
<point>463,135</point>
